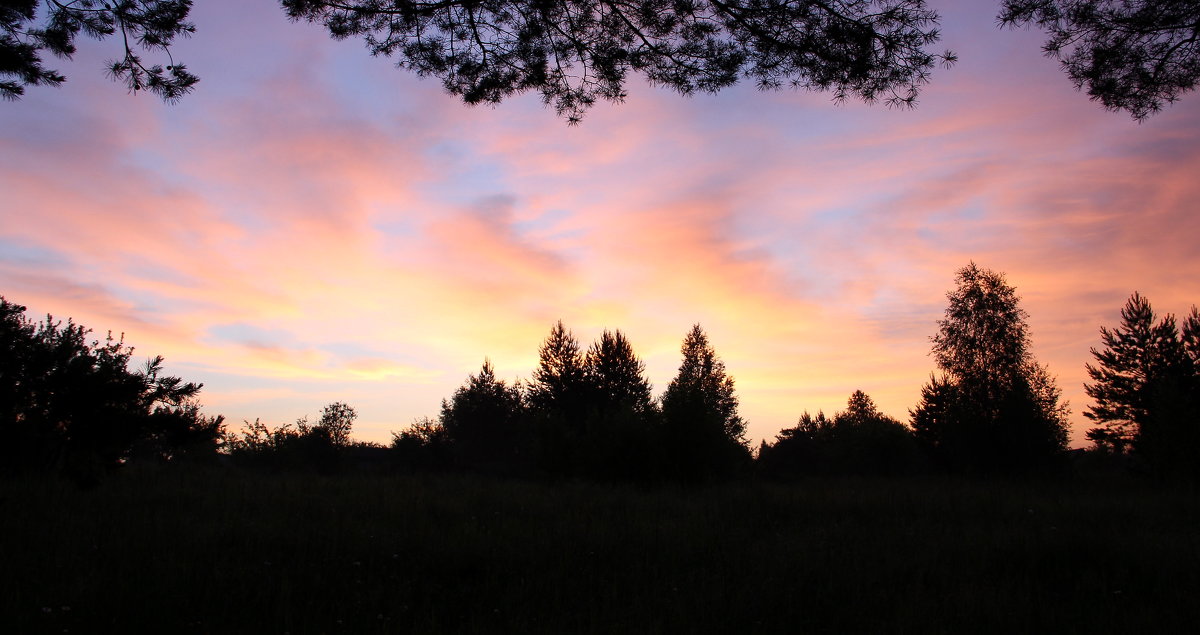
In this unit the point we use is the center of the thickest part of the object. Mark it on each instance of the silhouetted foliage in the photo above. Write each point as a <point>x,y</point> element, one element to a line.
<point>485,422</point>
<point>1146,387</point>
<point>618,440</point>
<point>995,408</point>
<point>27,33</point>
<point>576,52</point>
<point>1131,55</point>
<point>258,438</point>
<point>583,415</point>
<point>70,405</point>
<point>319,446</point>
<point>703,435</point>
<point>860,440</point>
<point>798,451</point>
<point>336,420</point>
<point>423,446</point>
<point>560,402</point>
<point>617,377</point>
<point>559,380</point>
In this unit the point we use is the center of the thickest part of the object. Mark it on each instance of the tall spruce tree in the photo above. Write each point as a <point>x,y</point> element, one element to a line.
<point>617,377</point>
<point>619,427</point>
<point>995,408</point>
<point>559,379</point>
<point>704,434</point>
<point>559,402</point>
<point>1146,388</point>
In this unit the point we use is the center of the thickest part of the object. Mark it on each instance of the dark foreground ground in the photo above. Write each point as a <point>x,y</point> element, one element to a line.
<point>218,552</point>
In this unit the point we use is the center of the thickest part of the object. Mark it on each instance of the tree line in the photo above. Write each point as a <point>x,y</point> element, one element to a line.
<point>590,414</point>
<point>76,407</point>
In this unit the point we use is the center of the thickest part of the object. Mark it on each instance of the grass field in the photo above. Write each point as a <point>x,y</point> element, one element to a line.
<point>226,551</point>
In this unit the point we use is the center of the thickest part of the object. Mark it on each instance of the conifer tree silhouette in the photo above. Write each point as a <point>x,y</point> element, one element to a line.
<point>704,435</point>
<point>1146,388</point>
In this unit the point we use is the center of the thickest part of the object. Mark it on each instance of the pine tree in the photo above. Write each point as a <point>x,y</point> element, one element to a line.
<point>619,427</point>
<point>1136,356</point>
<point>559,403</point>
<point>559,379</point>
<point>1146,388</point>
<point>705,435</point>
<point>995,408</point>
<point>617,377</point>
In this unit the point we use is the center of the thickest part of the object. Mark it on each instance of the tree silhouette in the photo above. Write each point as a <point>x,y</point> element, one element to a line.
<point>1131,55</point>
<point>559,401</point>
<point>424,445</point>
<point>1145,387</point>
<point>798,451</point>
<point>575,52</point>
<point>151,25</point>
<point>704,436</point>
<point>484,421</point>
<point>336,420</point>
<point>320,446</point>
<point>258,438</point>
<point>994,408</point>
<point>76,406</point>
<point>618,377</point>
<point>859,440</point>
<point>560,376</point>
<point>621,412</point>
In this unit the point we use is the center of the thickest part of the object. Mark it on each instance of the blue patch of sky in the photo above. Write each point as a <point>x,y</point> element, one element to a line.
<point>352,351</point>
<point>394,225</point>
<point>148,305</point>
<point>973,211</point>
<point>141,268</point>
<point>800,247</point>
<point>30,255</point>
<point>468,178</point>
<point>242,333</point>
<point>543,225</point>
<point>940,221</point>
<point>166,163</point>
<point>370,87</point>
<point>248,216</point>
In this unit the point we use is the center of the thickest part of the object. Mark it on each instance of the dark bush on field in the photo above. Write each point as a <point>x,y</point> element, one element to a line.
<point>321,446</point>
<point>423,447</point>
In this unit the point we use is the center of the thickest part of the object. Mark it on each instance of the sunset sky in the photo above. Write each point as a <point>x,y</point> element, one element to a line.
<point>313,225</point>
